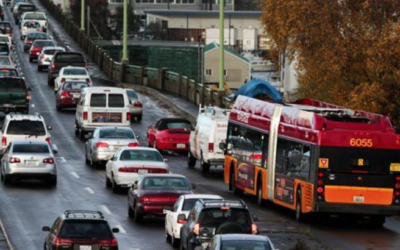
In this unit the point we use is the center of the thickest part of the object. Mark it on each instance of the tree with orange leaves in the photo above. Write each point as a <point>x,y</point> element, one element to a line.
<point>347,51</point>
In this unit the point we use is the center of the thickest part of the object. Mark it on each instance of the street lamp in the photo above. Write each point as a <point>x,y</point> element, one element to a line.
<point>125,31</point>
<point>221,45</point>
<point>82,15</point>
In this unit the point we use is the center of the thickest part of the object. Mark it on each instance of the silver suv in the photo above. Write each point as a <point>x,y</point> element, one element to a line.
<point>17,127</point>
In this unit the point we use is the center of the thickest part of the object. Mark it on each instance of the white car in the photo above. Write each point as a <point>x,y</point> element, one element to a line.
<point>183,205</point>
<point>29,26</point>
<point>36,16</point>
<point>6,39</point>
<point>127,164</point>
<point>72,73</point>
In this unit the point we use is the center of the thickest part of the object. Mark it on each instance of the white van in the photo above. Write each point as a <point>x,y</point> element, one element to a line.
<point>210,130</point>
<point>101,107</point>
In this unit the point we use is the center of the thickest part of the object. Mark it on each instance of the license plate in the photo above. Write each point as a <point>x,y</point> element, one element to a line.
<point>76,95</point>
<point>111,147</point>
<point>85,247</point>
<point>31,163</point>
<point>181,145</point>
<point>143,171</point>
<point>7,105</point>
<point>358,198</point>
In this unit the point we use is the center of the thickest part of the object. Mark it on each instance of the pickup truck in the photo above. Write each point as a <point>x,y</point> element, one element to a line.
<point>63,59</point>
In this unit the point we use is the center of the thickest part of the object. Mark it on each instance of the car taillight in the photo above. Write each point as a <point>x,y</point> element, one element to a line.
<point>48,140</point>
<point>144,199</point>
<point>320,186</point>
<point>27,96</point>
<point>4,141</point>
<point>211,147</point>
<point>14,160</point>
<point>49,160</point>
<point>85,115</point>
<point>58,242</point>
<point>62,80</point>
<point>133,144</point>
<point>196,229</point>
<point>137,104</point>
<point>254,228</point>
<point>180,221</point>
<point>41,57</point>
<point>108,243</point>
<point>128,116</point>
<point>53,67</point>
<point>101,145</point>
<point>65,95</point>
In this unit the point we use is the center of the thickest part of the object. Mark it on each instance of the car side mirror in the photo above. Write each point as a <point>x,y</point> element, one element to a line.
<point>137,137</point>
<point>165,160</point>
<point>29,88</point>
<point>222,145</point>
<point>182,217</point>
<point>46,229</point>
<point>192,128</point>
<point>49,128</point>
<point>114,158</point>
<point>115,230</point>
<point>135,185</point>
<point>167,209</point>
<point>194,185</point>
<point>255,217</point>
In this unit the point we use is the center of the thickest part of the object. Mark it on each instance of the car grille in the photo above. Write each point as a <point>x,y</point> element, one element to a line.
<point>80,247</point>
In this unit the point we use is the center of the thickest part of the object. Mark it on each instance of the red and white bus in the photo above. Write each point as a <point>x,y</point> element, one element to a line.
<point>311,156</point>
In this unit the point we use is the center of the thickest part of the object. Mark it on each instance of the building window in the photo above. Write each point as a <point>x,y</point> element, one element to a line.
<point>115,1</point>
<point>208,72</point>
<point>225,72</point>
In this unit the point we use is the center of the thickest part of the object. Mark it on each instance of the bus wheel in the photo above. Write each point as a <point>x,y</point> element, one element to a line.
<point>260,200</point>
<point>236,191</point>
<point>300,216</point>
<point>378,221</point>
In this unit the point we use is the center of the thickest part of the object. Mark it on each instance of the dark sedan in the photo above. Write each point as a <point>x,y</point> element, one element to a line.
<point>31,37</point>
<point>151,193</point>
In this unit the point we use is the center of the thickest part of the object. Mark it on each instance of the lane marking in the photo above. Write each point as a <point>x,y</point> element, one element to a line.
<point>62,159</point>
<point>105,209</point>
<point>89,190</point>
<point>121,229</point>
<point>75,175</point>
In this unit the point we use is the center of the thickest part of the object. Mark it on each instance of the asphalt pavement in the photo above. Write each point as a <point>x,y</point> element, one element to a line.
<point>27,206</point>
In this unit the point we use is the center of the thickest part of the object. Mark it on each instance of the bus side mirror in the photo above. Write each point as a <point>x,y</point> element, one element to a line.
<point>222,146</point>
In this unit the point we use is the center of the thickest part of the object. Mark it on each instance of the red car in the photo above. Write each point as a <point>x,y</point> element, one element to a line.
<point>151,193</point>
<point>170,134</point>
<point>37,47</point>
<point>69,94</point>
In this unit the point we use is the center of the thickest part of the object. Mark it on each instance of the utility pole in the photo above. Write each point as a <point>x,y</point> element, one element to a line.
<point>88,21</point>
<point>82,15</point>
<point>125,31</point>
<point>221,45</point>
<point>64,6</point>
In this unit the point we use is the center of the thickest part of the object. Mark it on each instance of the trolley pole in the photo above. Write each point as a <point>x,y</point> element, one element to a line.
<point>82,15</point>
<point>125,32</point>
<point>221,45</point>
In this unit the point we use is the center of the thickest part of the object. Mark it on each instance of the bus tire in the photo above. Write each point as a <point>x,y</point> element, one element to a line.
<point>377,221</point>
<point>300,216</point>
<point>260,200</point>
<point>236,191</point>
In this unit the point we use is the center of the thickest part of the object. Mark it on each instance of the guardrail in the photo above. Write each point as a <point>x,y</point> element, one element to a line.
<point>160,79</point>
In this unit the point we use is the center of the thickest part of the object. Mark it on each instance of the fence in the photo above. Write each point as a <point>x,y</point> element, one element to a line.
<point>160,79</point>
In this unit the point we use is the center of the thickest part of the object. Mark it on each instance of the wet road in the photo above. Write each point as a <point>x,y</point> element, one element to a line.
<point>27,206</point>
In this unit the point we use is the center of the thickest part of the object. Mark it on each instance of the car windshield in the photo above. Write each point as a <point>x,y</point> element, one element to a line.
<point>141,155</point>
<point>37,36</point>
<point>26,8</point>
<point>245,245</point>
<point>26,128</point>
<point>51,51</point>
<point>132,94</point>
<point>5,60</point>
<point>32,25</point>
<point>70,57</point>
<point>189,203</point>
<point>5,28</point>
<point>184,125</point>
<point>43,43</point>
<point>31,149</point>
<point>4,39</point>
<point>75,85</point>
<point>35,16</point>
<point>8,72</point>
<point>116,134</point>
<point>85,229</point>
<point>12,85</point>
<point>213,217</point>
<point>75,72</point>
<point>156,183</point>
<point>4,49</point>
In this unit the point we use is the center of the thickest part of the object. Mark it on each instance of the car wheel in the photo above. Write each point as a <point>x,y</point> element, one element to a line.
<point>39,69</point>
<point>58,108</point>
<point>139,118</point>
<point>131,214</point>
<point>174,241</point>
<point>138,216</point>
<point>6,179</point>
<point>181,245</point>
<point>377,221</point>
<point>114,185</point>
<point>53,181</point>
<point>300,216</point>
<point>205,167</point>
<point>191,159</point>
<point>108,182</point>
<point>81,134</point>
<point>167,236</point>
<point>76,129</point>
<point>30,60</point>
<point>49,82</point>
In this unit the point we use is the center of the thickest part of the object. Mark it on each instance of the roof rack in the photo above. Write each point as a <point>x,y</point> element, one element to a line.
<point>224,203</point>
<point>83,213</point>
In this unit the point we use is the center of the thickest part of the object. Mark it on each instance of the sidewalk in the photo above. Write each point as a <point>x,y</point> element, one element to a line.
<point>179,105</point>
